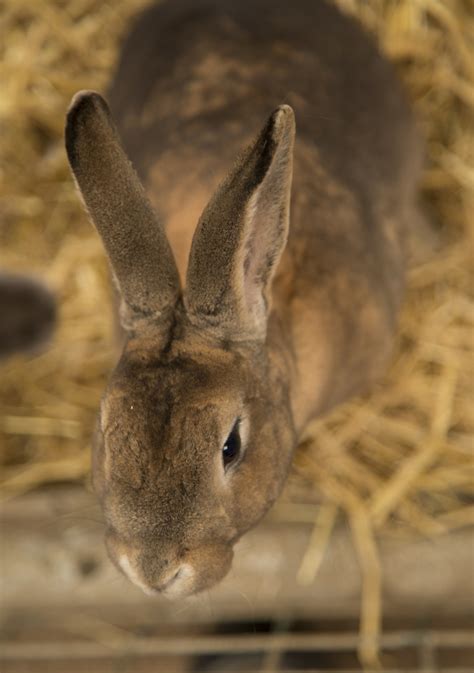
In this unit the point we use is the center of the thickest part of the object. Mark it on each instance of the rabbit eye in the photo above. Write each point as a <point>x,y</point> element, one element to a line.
<point>231,449</point>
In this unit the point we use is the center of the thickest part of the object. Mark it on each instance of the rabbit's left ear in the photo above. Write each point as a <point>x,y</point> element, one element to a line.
<point>135,240</point>
<point>241,236</point>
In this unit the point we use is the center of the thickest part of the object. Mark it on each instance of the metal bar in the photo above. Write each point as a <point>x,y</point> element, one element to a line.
<point>427,654</point>
<point>204,644</point>
<point>272,657</point>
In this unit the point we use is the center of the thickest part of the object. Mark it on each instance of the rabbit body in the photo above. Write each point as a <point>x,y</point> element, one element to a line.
<point>194,83</point>
<point>284,313</point>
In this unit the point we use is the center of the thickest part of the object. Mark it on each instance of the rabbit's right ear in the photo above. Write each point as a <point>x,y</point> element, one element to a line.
<point>241,236</point>
<point>139,252</point>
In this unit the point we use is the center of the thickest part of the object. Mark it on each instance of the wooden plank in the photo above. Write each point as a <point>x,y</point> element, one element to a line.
<point>55,570</point>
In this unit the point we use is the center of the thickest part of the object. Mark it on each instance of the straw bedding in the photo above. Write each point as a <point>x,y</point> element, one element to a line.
<point>397,462</point>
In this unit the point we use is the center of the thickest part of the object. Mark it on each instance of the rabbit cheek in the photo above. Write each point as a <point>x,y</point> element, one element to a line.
<point>130,572</point>
<point>125,559</point>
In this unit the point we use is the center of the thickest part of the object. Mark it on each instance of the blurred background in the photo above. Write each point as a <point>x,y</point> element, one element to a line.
<point>367,559</point>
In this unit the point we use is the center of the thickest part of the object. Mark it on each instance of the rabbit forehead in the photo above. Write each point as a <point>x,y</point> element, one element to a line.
<point>163,472</point>
<point>169,414</point>
<point>173,386</point>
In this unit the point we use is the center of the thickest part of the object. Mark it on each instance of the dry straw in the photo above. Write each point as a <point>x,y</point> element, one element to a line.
<point>399,461</point>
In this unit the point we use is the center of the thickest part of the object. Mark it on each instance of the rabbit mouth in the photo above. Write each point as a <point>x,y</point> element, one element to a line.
<point>178,584</point>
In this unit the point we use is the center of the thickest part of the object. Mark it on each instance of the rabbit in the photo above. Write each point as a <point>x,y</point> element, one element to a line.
<point>28,314</point>
<point>255,293</point>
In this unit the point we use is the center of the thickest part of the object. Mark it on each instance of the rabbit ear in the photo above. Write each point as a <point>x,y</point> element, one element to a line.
<point>241,236</point>
<point>139,252</point>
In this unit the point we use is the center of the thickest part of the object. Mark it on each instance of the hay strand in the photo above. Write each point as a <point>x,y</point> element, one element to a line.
<point>384,500</point>
<point>319,539</point>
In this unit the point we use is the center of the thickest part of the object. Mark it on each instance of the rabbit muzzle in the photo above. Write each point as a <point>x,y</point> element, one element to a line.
<point>172,575</point>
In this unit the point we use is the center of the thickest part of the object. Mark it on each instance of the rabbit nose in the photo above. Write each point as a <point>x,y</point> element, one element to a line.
<point>175,580</point>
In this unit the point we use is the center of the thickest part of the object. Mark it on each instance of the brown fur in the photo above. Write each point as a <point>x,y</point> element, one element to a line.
<point>271,328</point>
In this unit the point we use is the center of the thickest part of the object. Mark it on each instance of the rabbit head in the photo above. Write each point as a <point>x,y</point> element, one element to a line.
<point>195,432</point>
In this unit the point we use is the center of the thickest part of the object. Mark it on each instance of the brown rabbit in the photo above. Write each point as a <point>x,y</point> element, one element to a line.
<point>281,316</point>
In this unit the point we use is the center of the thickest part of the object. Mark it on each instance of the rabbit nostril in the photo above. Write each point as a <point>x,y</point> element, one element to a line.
<point>181,573</point>
<point>165,585</point>
<point>175,576</point>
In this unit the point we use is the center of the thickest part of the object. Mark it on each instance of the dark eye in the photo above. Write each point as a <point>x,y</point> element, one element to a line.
<point>231,449</point>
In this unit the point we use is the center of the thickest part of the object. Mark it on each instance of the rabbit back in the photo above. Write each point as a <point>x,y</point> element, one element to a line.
<point>196,79</point>
<point>194,82</point>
